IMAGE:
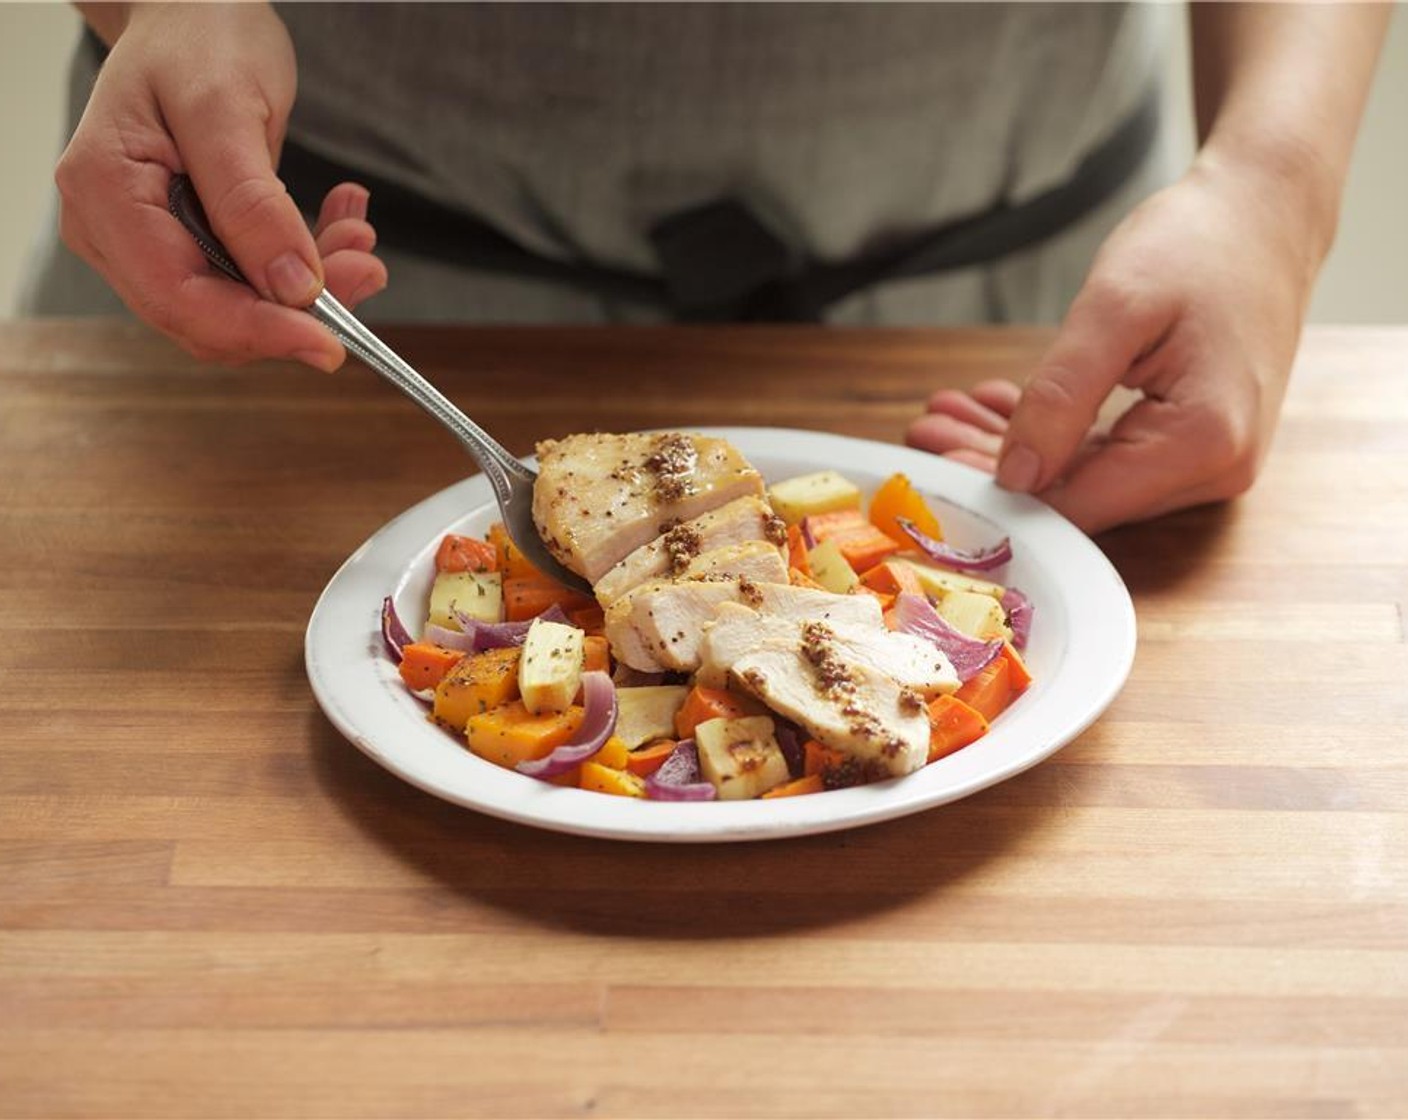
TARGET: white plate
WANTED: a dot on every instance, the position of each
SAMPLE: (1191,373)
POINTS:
(1081,649)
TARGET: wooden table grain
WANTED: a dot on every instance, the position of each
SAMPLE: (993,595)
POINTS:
(212,905)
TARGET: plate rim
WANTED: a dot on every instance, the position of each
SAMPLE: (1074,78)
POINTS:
(559,809)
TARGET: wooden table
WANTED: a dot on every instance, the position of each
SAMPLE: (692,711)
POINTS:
(212,905)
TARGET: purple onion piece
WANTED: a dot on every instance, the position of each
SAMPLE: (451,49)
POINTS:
(980,560)
(789,740)
(503,635)
(598,722)
(447,638)
(915,615)
(392,632)
(678,777)
(808,537)
(1019,616)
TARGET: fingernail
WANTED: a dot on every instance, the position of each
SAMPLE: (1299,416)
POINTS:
(292,281)
(369,288)
(1019,469)
(318,359)
(357,208)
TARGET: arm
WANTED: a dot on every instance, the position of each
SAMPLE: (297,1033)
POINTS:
(1196,300)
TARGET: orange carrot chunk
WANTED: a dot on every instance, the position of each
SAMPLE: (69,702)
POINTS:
(424,664)
(465,554)
(797,551)
(893,577)
(811,783)
(990,690)
(712,703)
(864,546)
(528,598)
(952,726)
(1017,669)
(648,759)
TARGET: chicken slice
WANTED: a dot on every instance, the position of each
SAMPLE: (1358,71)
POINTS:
(803,604)
(909,661)
(659,626)
(840,702)
(756,561)
(600,496)
(744,519)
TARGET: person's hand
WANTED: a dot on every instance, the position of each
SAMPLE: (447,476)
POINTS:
(206,89)
(1195,301)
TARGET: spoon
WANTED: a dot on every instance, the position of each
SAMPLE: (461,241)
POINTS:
(511,480)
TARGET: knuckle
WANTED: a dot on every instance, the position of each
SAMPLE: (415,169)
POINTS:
(1049,392)
(248,204)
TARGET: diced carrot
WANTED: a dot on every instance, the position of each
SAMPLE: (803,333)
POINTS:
(602,779)
(424,664)
(797,551)
(894,577)
(989,690)
(798,578)
(817,758)
(712,703)
(510,733)
(648,759)
(596,654)
(465,554)
(823,526)
(509,556)
(898,498)
(1017,668)
(811,783)
(528,598)
(863,546)
(478,683)
(953,725)
(592,619)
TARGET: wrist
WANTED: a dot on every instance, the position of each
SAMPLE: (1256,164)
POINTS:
(1284,178)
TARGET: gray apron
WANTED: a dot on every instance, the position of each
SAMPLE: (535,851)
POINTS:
(573,129)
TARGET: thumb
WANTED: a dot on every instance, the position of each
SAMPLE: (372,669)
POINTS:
(226,151)
(1106,331)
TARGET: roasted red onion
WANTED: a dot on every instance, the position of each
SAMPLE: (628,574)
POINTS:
(678,778)
(980,560)
(448,639)
(789,741)
(915,615)
(1019,616)
(503,635)
(392,632)
(598,722)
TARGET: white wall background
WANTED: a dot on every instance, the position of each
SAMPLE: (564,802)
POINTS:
(1364,281)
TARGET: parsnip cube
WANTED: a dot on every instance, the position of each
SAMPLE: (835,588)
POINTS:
(550,670)
(477,594)
(938,582)
(831,569)
(978,616)
(648,712)
(740,757)
(807,494)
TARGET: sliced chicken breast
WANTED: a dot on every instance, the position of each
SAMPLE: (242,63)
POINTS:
(659,626)
(744,519)
(909,661)
(840,702)
(600,496)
